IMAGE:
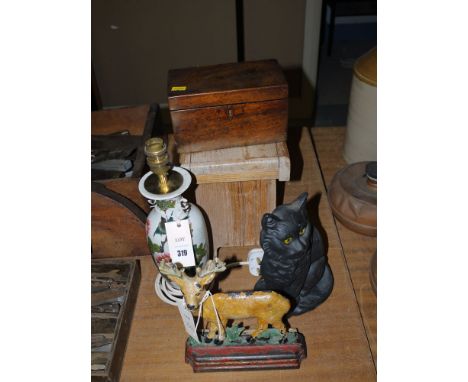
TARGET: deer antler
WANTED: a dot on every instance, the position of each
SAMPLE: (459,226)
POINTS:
(211,266)
(170,269)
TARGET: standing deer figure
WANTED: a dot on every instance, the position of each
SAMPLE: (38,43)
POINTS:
(267,307)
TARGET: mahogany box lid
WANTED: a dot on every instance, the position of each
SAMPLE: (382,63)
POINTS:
(226,84)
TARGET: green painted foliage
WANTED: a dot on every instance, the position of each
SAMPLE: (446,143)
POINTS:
(233,333)
(292,337)
(236,335)
(154,248)
(271,336)
(165,204)
(161,228)
(199,251)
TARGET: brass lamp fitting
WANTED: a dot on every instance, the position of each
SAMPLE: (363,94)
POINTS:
(156,156)
(158,162)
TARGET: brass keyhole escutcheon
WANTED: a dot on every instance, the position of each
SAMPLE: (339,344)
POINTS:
(230,113)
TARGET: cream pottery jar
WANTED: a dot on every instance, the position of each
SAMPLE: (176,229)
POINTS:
(361,132)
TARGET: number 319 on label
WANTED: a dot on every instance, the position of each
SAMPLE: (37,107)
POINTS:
(179,242)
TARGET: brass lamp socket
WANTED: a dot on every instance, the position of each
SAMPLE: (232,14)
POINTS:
(156,156)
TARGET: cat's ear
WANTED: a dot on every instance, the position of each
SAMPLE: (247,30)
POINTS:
(300,202)
(269,221)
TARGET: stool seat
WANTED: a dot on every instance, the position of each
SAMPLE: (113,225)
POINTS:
(267,161)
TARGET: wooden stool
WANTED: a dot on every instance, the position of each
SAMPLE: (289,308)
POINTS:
(235,187)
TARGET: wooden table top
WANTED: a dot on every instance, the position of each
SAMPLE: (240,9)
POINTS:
(358,249)
(337,343)
(111,121)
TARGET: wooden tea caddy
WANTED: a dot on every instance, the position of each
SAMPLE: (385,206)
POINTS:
(228,105)
(230,125)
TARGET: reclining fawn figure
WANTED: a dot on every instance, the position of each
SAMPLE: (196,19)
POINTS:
(267,307)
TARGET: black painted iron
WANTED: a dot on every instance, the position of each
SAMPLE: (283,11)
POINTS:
(294,261)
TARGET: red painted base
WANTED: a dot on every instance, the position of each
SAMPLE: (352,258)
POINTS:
(246,357)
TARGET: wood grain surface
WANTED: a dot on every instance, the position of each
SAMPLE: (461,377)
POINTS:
(358,249)
(217,127)
(111,121)
(338,349)
(128,187)
(228,105)
(226,84)
(235,187)
(117,225)
(257,162)
(234,210)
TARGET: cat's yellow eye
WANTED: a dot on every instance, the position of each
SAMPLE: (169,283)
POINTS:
(302,230)
(287,240)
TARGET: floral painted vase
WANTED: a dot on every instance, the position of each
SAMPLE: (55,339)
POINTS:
(173,207)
